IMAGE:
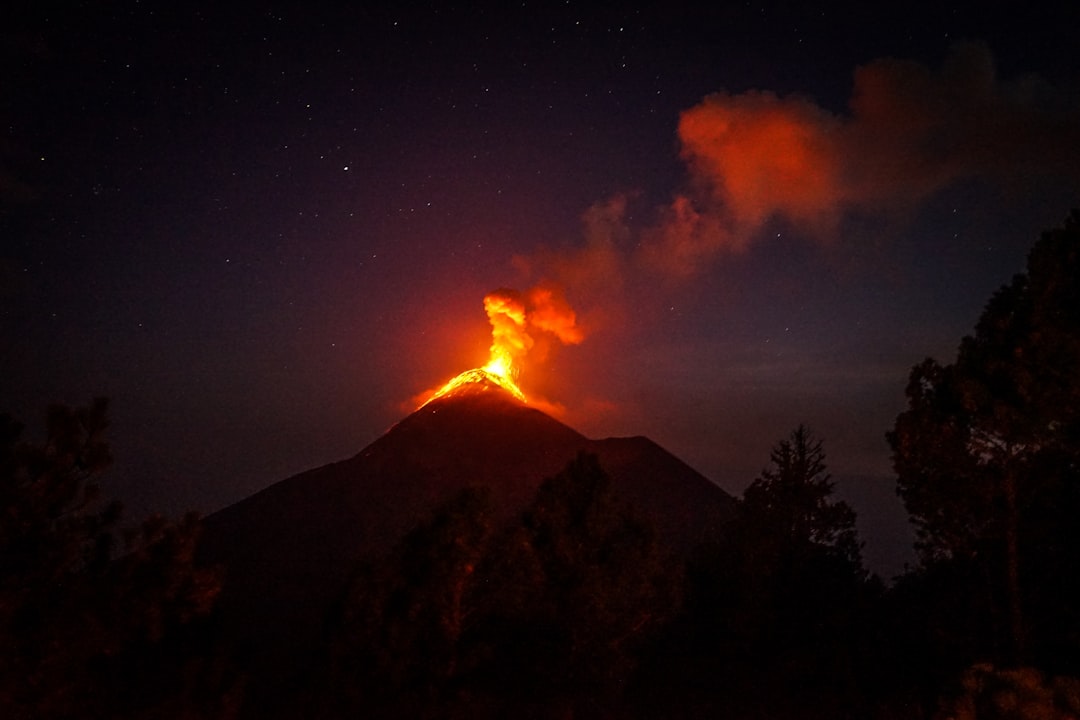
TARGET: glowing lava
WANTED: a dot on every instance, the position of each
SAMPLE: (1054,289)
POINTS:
(511,319)
(474,377)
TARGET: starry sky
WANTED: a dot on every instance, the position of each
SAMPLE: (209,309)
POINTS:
(262,231)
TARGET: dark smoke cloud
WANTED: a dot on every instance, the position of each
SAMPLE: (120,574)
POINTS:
(913,131)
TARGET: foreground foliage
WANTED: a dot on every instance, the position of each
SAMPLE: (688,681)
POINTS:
(90,614)
(1024,693)
(546,613)
(987,457)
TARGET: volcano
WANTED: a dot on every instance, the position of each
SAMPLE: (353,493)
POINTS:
(289,550)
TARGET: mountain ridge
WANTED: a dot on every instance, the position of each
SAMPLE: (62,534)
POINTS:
(290,549)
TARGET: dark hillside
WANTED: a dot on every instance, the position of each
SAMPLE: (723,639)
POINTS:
(290,549)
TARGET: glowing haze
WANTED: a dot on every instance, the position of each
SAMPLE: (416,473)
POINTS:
(514,318)
(910,131)
(757,158)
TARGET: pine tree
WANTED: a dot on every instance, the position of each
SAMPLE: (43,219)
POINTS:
(780,600)
(988,451)
(792,501)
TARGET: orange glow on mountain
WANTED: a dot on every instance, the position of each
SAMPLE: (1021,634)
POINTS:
(476,376)
(512,316)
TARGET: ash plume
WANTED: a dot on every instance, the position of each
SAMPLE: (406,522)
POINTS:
(909,131)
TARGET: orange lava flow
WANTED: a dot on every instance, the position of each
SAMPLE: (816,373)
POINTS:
(474,376)
(510,341)
(512,316)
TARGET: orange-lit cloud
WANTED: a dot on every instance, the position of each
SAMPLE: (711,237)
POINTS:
(687,236)
(909,132)
(549,311)
(757,158)
(594,270)
(518,318)
(760,154)
(522,325)
(914,131)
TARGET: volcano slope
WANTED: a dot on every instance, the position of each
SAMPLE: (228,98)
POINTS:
(289,550)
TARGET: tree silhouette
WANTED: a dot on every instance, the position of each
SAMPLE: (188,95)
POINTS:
(987,452)
(791,502)
(394,641)
(542,616)
(571,594)
(84,619)
(778,604)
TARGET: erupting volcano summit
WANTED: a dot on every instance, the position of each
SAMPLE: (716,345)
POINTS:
(477,380)
(512,316)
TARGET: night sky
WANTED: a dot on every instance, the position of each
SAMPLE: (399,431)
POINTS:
(262,232)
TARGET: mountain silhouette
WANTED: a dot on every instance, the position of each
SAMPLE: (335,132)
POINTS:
(289,550)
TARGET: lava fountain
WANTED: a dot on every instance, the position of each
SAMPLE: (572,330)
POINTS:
(512,317)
